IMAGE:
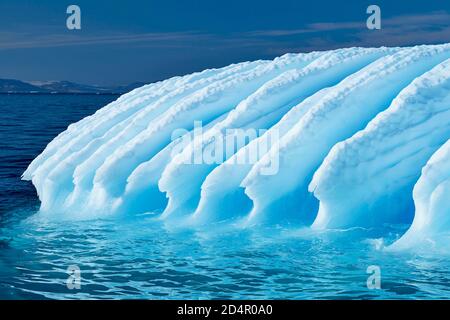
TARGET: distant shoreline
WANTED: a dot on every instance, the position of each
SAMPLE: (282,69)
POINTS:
(13,86)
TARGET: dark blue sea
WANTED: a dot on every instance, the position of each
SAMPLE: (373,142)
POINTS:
(142,259)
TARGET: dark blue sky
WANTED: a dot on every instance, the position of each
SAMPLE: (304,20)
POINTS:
(146,40)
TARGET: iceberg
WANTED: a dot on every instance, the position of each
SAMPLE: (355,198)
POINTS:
(354,137)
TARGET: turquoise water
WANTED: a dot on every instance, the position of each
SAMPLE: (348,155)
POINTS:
(142,258)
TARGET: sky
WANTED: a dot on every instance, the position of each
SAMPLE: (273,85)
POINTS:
(122,42)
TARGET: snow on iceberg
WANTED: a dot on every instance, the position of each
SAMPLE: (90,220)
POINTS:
(259,110)
(108,180)
(363,122)
(344,110)
(367,180)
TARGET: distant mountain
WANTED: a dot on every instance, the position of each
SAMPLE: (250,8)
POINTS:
(17,86)
(10,85)
(69,87)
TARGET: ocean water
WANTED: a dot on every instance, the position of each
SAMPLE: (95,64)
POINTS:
(142,258)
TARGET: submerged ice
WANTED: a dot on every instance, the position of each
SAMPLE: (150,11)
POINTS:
(354,137)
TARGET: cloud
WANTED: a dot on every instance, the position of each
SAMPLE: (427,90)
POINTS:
(13,40)
(439,18)
(402,30)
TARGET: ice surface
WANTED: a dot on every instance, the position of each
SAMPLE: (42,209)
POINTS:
(367,180)
(344,110)
(281,93)
(349,134)
(432,200)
